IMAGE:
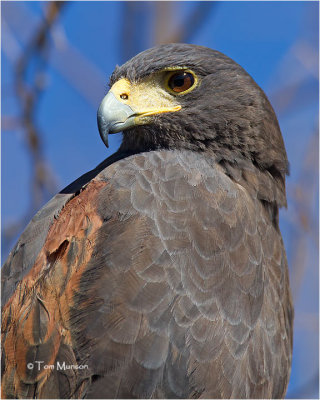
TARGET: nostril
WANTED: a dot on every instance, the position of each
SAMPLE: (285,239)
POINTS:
(124,96)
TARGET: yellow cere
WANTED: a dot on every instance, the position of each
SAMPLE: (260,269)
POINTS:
(147,97)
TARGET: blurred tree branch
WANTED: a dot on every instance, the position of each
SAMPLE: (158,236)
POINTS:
(160,15)
(294,94)
(43,183)
(303,195)
(166,28)
(64,55)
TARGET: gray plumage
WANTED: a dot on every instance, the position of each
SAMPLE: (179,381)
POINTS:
(163,270)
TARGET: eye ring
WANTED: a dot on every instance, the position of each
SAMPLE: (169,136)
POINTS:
(181,82)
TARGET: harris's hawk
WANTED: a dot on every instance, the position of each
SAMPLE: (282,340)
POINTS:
(162,272)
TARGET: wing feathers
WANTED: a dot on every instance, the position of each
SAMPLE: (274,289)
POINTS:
(162,275)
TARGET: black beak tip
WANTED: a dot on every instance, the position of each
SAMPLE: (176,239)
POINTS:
(103,131)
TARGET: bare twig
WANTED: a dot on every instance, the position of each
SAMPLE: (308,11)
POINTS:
(43,182)
(166,30)
(304,195)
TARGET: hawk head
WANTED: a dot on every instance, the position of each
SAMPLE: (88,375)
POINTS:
(182,96)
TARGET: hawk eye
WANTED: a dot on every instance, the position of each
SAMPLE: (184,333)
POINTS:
(181,81)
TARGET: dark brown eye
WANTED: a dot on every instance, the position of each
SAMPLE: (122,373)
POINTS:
(181,81)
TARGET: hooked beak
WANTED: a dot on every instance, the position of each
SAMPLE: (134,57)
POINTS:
(127,105)
(113,116)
